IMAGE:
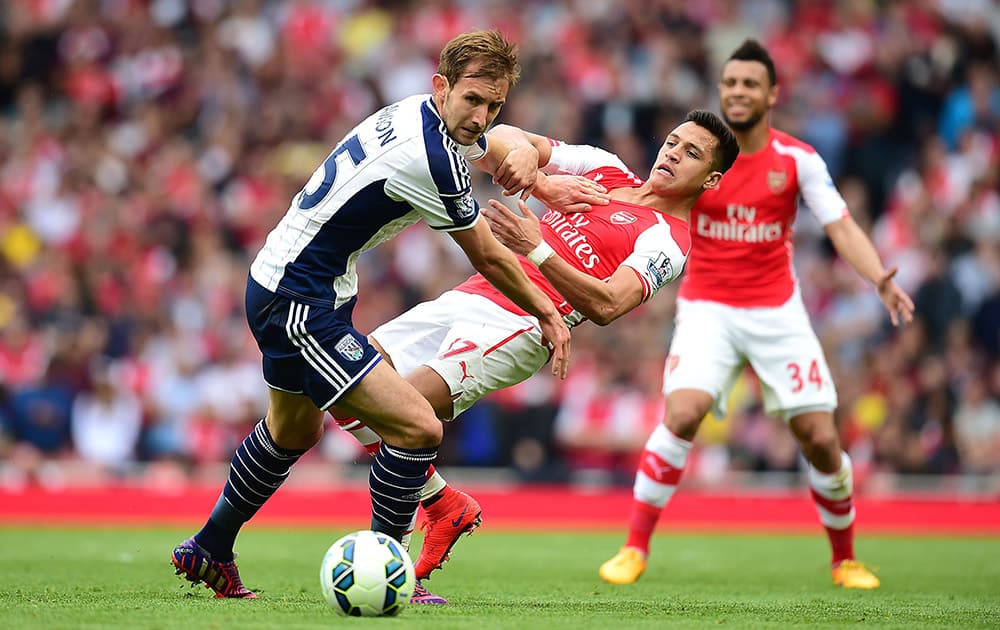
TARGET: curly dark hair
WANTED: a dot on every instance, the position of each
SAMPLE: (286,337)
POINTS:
(752,50)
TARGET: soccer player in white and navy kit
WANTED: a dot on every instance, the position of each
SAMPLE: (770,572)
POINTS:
(596,265)
(739,304)
(405,163)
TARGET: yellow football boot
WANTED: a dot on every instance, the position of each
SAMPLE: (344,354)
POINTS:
(625,568)
(853,574)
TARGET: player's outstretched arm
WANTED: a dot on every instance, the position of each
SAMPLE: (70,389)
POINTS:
(566,193)
(502,269)
(511,136)
(854,246)
(600,302)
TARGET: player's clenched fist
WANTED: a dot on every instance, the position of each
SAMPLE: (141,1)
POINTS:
(518,171)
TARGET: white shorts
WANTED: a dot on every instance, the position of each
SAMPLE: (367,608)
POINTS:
(712,343)
(475,345)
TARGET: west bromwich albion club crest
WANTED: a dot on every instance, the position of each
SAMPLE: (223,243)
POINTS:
(465,206)
(349,348)
(776,181)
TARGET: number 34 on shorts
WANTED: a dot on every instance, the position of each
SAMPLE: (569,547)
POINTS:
(801,376)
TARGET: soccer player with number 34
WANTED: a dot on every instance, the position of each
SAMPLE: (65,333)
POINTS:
(739,303)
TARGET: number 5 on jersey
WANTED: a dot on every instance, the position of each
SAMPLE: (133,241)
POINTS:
(328,172)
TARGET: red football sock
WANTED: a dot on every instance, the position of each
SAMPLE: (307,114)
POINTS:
(642,522)
(832,494)
(841,543)
(841,540)
(368,438)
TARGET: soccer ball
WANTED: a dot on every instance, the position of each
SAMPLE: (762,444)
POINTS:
(367,574)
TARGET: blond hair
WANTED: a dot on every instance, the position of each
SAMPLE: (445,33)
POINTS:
(496,56)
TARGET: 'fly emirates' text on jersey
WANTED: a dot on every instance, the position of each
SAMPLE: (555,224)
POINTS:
(396,167)
(741,250)
(651,244)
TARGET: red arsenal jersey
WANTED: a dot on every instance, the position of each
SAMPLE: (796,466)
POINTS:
(653,245)
(741,249)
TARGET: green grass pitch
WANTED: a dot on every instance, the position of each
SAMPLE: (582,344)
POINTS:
(104,578)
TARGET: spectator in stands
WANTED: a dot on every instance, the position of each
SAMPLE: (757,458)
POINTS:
(143,146)
(106,420)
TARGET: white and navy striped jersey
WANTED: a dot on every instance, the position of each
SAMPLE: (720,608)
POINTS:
(398,166)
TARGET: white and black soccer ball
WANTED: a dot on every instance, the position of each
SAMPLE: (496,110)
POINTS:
(367,574)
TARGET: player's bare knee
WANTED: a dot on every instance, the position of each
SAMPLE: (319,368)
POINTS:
(683,418)
(824,442)
(315,436)
(422,432)
(821,446)
(299,441)
(430,433)
(298,434)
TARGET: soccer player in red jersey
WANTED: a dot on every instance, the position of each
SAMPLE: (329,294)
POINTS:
(739,304)
(596,265)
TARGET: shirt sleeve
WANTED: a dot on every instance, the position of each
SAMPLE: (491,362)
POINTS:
(442,212)
(818,192)
(579,159)
(439,186)
(657,259)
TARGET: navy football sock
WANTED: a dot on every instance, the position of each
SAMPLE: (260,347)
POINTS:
(396,479)
(258,468)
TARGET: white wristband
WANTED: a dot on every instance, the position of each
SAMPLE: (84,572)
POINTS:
(541,253)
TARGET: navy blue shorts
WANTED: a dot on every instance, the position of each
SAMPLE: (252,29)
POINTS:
(308,349)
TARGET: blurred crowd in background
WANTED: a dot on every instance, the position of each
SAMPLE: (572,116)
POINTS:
(148,146)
